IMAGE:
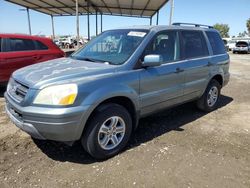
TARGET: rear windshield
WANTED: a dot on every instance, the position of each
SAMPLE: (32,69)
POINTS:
(241,44)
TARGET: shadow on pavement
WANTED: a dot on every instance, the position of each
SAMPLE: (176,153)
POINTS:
(149,128)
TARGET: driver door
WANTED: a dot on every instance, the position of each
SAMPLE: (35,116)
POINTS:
(162,86)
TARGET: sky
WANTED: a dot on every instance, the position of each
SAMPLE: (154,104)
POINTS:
(231,12)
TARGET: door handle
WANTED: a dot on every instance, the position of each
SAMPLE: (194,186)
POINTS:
(36,57)
(178,70)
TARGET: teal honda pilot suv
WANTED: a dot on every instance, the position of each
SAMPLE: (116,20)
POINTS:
(98,94)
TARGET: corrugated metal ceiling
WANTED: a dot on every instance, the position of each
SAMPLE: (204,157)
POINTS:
(137,8)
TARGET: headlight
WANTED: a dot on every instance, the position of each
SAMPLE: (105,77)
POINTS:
(57,95)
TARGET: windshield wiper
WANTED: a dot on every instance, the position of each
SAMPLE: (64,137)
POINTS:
(86,59)
(92,60)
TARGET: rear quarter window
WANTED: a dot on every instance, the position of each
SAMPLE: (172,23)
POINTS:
(216,42)
(40,45)
(194,44)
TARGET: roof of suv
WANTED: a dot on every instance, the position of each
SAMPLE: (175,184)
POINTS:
(165,27)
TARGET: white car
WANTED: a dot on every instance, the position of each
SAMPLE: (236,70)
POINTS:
(241,47)
(231,44)
(57,42)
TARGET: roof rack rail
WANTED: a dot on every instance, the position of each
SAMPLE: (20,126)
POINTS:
(192,24)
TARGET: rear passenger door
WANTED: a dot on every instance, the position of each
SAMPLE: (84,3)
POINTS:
(196,54)
(162,86)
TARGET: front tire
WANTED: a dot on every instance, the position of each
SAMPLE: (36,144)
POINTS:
(209,100)
(108,131)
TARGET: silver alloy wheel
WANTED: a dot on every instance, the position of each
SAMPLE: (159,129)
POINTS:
(212,96)
(111,132)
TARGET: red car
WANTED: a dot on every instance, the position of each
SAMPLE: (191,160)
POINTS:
(17,51)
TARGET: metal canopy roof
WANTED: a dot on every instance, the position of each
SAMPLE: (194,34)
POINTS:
(135,8)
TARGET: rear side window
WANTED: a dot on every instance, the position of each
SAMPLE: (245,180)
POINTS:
(194,44)
(21,45)
(41,46)
(216,42)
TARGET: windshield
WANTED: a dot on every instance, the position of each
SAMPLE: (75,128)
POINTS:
(113,47)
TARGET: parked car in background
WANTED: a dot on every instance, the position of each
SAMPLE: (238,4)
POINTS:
(17,51)
(231,44)
(241,47)
(99,93)
(57,42)
(226,45)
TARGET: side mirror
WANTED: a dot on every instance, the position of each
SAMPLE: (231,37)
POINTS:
(152,61)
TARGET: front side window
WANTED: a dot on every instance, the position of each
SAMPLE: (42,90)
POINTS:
(21,45)
(216,42)
(165,44)
(194,44)
(114,47)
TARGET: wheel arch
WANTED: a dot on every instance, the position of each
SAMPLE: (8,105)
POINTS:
(218,78)
(124,96)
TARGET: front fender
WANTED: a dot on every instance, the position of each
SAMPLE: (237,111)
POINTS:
(115,90)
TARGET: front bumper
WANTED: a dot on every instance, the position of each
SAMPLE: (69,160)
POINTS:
(59,124)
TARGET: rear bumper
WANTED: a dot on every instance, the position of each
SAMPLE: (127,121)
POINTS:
(226,79)
(240,50)
(59,124)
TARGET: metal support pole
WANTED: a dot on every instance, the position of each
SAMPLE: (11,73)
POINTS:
(157,19)
(77,24)
(52,24)
(171,12)
(88,21)
(28,14)
(150,20)
(101,22)
(96,23)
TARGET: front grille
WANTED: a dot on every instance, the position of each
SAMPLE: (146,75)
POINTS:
(16,90)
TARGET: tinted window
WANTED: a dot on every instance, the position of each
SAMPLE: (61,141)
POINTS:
(0,44)
(194,44)
(241,44)
(21,44)
(40,46)
(216,42)
(165,44)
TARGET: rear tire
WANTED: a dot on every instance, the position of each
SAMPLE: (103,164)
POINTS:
(209,100)
(108,131)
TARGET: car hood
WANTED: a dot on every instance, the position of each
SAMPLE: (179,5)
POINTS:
(59,70)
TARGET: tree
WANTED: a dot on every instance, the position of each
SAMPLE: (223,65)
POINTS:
(223,29)
(243,34)
(248,26)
